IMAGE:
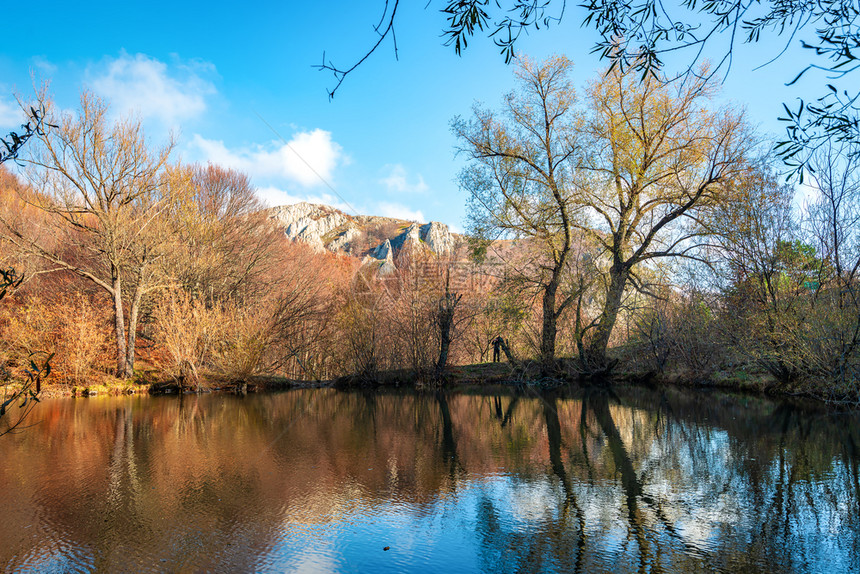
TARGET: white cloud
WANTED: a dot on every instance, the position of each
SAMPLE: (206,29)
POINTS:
(400,212)
(11,115)
(44,65)
(274,196)
(397,180)
(147,86)
(456,228)
(306,158)
(806,194)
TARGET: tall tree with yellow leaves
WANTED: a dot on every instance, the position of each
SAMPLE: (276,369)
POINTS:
(656,159)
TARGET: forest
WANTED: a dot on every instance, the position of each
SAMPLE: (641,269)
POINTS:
(628,229)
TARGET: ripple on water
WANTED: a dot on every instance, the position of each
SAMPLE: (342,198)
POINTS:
(305,482)
(55,554)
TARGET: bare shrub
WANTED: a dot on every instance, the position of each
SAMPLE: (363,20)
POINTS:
(74,328)
(694,334)
(361,345)
(26,329)
(186,331)
(652,337)
(246,334)
(83,345)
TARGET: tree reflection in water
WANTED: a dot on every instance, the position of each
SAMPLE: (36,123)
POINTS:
(577,481)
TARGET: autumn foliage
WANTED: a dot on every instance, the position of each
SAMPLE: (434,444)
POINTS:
(639,232)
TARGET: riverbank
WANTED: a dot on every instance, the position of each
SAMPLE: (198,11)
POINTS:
(738,379)
(148,383)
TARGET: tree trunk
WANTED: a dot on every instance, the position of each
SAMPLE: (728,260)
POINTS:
(447,308)
(132,329)
(445,344)
(595,359)
(119,328)
(507,351)
(548,331)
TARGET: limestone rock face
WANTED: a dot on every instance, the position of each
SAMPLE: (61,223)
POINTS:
(308,222)
(437,237)
(383,250)
(385,253)
(413,233)
(344,239)
(411,237)
(380,238)
(434,236)
(388,266)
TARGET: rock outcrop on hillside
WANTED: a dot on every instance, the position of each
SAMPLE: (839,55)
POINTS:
(383,250)
(344,239)
(438,237)
(387,257)
(301,220)
(308,222)
(375,238)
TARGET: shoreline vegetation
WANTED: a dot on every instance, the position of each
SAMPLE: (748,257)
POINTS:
(478,375)
(628,230)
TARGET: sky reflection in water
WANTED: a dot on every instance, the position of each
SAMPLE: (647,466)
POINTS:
(322,481)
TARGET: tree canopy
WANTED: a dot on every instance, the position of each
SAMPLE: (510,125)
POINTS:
(634,172)
(520,178)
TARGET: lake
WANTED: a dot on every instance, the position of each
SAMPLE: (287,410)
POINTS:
(319,480)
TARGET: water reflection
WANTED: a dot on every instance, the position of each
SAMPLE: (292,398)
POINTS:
(321,481)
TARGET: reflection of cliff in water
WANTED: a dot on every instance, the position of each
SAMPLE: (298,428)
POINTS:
(584,481)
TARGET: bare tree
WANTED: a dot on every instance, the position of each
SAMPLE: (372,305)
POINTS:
(520,177)
(754,235)
(101,189)
(221,241)
(835,223)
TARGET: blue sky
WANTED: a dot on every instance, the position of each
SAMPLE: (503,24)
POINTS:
(217,73)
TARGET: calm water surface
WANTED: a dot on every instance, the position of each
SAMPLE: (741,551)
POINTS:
(322,481)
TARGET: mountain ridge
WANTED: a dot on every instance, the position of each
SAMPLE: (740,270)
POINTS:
(369,237)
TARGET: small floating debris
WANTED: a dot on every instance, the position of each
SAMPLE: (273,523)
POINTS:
(386,548)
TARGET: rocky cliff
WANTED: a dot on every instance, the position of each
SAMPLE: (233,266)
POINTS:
(376,239)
